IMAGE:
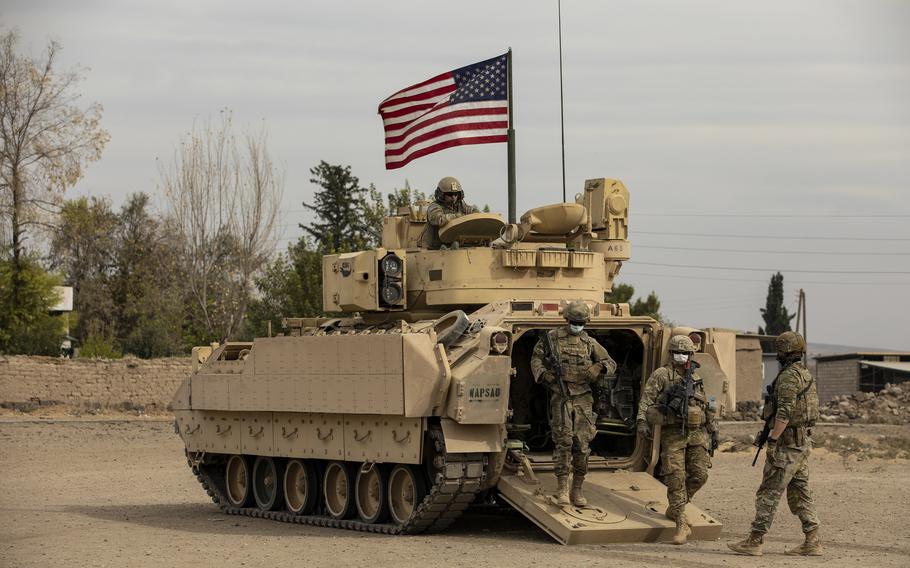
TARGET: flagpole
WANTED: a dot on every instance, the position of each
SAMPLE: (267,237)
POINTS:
(511,141)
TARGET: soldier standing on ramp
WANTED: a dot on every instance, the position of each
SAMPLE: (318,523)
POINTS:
(568,360)
(674,397)
(791,409)
(448,204)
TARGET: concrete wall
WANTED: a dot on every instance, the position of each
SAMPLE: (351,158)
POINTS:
(126,383)
(748,369)
(837,377)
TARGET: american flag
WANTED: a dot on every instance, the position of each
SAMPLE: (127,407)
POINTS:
(466,106)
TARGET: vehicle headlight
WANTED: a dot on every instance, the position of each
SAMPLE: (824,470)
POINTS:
(391,292)
(499,342)
(392,266)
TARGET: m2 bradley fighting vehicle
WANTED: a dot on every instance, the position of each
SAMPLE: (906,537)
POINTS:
(419,401)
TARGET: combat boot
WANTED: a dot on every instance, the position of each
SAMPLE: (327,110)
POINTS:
(682,529)
(811,547)
(577,498)
(751,545)
(562,490)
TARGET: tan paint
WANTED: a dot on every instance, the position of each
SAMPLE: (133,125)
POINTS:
(623,506)
(367,387)
(471,438)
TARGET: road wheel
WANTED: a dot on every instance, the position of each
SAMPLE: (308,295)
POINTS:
(300,487)
(407,490)
(370,493)
(267,486)
(338,490)
(237,481)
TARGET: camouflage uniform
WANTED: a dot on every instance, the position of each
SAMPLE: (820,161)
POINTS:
(573,425)
(787,460)
(438,214)
(790,412)
(684,458)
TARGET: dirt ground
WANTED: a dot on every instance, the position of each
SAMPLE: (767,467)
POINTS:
(117,492)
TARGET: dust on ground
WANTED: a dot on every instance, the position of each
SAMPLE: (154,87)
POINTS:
(117,492)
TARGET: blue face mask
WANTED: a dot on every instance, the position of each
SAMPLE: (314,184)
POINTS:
(575,329)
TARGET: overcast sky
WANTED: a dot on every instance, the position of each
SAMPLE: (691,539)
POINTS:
(712,112)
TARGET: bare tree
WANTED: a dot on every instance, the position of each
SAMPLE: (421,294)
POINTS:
(47,139)
(224,195)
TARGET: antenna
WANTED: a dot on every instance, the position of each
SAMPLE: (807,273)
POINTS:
(562,125)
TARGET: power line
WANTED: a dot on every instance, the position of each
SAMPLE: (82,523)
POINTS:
(775,269)
(797,237)
(715,278)
(781,215)
(777,251)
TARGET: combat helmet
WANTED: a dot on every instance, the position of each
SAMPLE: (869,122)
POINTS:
(681,344)
(446,185)
(790,342)
(577,311)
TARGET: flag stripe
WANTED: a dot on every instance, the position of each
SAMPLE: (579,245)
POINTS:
(391,165)
(474,133)
(410,110)
(466,106)
(435,91)
(416,88)
(439,116)
(450,127)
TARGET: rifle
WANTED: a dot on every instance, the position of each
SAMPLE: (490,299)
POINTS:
(770,400)
(553,362)
(762,437)
(677,398)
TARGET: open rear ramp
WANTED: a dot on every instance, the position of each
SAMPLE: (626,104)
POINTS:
(623,506)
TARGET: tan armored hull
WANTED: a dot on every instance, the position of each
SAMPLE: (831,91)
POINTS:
(420,401)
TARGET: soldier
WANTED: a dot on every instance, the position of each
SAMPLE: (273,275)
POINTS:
(448,203)
(577,360)
(793,406)
(684,457)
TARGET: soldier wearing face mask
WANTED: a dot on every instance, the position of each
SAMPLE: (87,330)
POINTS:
(684,452)
(577,361)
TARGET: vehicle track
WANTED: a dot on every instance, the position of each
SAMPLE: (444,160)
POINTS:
(456,482)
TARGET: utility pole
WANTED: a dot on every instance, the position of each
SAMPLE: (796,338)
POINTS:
(801,319)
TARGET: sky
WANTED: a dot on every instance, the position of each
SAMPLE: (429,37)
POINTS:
(777,130)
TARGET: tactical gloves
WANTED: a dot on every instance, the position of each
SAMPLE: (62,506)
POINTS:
(643,429)
(656,414)
(593,371)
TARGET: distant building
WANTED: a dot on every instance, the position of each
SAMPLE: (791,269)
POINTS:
(847,373)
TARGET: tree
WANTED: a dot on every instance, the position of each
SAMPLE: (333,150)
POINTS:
(145,281)
(291,286)
(378,206)
(83,249)
(777,320)
(26,325)
(47,139)
(344,219)
(224,194)
(650,306)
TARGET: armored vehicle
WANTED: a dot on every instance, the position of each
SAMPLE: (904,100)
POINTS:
(416,400)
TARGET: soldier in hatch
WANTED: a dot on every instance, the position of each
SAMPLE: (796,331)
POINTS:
(793,406)
(448,203)
(685,448)
(575,362)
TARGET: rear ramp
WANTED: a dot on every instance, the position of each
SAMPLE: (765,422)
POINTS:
(623,506)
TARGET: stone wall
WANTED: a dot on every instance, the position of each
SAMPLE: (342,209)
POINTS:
(129,383)
(836,378)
